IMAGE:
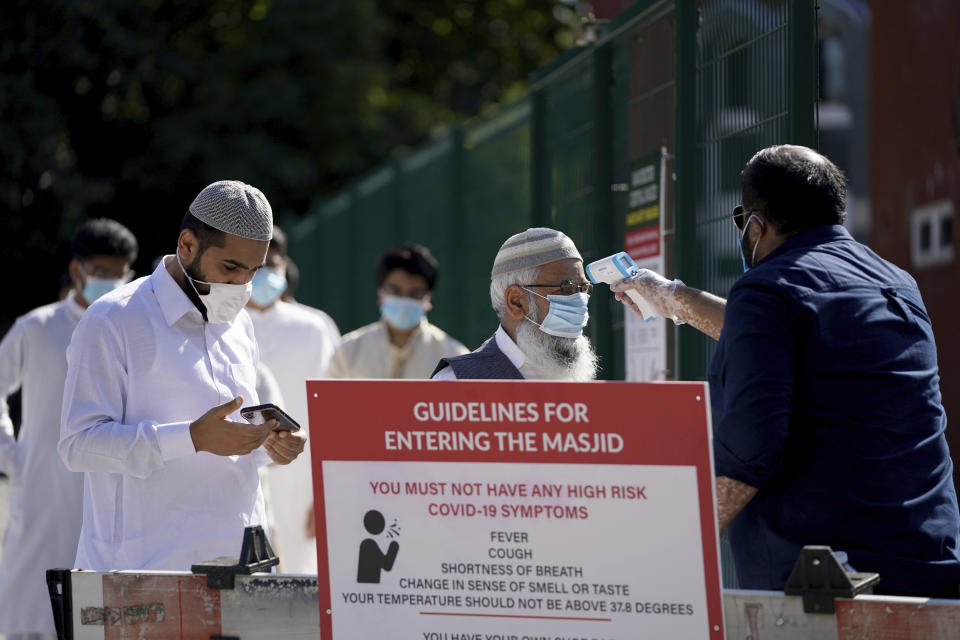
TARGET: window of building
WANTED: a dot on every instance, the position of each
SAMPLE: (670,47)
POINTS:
(931,234)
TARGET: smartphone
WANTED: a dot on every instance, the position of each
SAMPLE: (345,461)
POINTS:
(263,412)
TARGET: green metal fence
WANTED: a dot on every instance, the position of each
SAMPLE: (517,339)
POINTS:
(496,201)
(711,82)
(750,81)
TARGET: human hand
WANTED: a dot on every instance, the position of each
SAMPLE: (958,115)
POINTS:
(283,447)
(659,292)
(311,524)
(212,431)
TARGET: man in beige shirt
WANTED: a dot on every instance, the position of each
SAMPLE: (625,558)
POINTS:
(402,344)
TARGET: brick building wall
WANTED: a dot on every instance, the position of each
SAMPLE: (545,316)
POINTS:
(915,165)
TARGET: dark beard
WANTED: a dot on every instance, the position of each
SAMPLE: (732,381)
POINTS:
(564,352)
(193,270)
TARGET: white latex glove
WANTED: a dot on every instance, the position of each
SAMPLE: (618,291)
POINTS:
(659,292)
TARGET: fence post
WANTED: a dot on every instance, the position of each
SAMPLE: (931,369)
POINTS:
(400,229)
(685,164)
(603,202)
(460,272)
(802,65)
(539,169)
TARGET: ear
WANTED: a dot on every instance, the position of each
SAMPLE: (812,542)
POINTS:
(428,301)
(762,220)
(188,245)
(516,299)
(76,273)
(756,225)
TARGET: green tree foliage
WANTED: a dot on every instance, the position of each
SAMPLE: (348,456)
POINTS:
(128,108)
(469,55)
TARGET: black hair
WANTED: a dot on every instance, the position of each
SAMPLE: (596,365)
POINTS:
(207,236)
(796,188)
(279,241)
(415,259)
(103,237)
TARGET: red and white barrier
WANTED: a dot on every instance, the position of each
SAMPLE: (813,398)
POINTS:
(162,605)
(179,606)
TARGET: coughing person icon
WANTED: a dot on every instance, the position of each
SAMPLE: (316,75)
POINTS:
(372,560)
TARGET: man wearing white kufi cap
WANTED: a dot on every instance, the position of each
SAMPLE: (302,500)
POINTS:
(157,372)
(540,294)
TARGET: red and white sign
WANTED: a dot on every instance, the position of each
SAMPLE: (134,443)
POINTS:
(510,510)
(643,243)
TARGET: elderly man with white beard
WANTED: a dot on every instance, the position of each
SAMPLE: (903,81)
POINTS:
(540,294)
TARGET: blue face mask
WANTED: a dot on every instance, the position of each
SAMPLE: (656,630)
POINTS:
(95,287)
(567,316)
(402,313)
(268,284)
(753,254)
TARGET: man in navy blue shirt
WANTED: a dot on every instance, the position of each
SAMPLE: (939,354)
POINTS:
(826,398)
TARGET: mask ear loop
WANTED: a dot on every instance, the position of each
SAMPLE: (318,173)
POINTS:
(197,300)
(526,317)
(753,254)
(185,274)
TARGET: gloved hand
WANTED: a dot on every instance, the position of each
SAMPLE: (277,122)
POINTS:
(655,289)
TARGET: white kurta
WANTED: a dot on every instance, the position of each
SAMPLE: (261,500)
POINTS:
(327,320)
(45,498)
(268,389)
(142,365)
(368,353)
(297,344)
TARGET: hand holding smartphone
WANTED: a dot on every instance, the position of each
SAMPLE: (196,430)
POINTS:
(263,412)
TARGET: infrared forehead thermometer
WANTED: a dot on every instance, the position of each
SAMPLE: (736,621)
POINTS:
(615,268)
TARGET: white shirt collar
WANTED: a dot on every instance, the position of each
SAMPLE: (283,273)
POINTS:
(509,348)
(73,307)
(173,301)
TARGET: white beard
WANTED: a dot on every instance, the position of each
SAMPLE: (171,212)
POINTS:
(554,358)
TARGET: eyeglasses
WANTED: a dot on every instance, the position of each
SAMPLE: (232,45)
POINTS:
(740,215)
(393,290)
(99,272)
(567,287)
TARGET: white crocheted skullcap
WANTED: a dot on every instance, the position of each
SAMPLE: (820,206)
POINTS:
(235,208)
(533,248)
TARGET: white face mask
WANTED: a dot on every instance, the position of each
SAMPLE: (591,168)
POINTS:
(224,301)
